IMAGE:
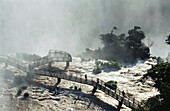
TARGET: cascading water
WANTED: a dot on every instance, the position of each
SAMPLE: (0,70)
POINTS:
(38,26)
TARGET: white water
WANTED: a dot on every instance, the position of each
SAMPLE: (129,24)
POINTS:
(125,77)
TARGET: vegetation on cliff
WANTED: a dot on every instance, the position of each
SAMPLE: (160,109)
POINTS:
(109,65)
(121,48)
(160,74)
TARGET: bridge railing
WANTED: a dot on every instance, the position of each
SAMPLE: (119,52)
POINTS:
(117,94)
(14,62)
(59,56)
(46,60)
(39,62)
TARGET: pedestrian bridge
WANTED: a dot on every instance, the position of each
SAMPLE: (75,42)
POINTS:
(61,56)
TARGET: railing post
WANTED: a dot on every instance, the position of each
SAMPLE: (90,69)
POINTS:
(86,78)
(70,76)
(128,100)
(133,101)
(49,65)
(109,92)
(67,64)
(139,105)
(58,81)
(104,88)
(94,90)
(97,82)
(121,102)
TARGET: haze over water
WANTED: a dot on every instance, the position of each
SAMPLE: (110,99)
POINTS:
(36,26)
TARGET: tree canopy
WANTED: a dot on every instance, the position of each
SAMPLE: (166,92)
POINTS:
(160,74)
(127,49)
(121,48)
(168,39)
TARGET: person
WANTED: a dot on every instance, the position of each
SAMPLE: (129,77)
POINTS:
(97,80)
(86,77)
(123,93)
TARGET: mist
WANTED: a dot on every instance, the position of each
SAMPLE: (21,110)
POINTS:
(36,26)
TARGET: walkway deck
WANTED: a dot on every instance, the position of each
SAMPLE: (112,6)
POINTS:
(57,56)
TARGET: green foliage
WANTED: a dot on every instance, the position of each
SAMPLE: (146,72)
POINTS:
(125,49)
(109,65)
(98,63)
(134,44)
(111,84)
(168,39)
(160,73)
(97,70)
(152,104)
(120,47)
(112,64)
(114,28)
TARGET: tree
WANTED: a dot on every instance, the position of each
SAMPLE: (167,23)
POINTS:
(136,34)
(168,39)
(160,73)
(115,28)
(121,48)
(134,44)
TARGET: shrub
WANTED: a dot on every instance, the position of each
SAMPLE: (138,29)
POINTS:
(112,64)
(98,63)
(160,74)
(97,70)
(111,84)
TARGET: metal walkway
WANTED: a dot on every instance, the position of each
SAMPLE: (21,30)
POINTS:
(60,56)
